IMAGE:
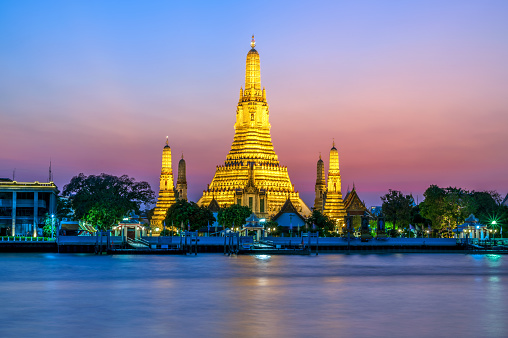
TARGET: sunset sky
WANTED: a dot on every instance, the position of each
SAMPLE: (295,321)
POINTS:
(413,92)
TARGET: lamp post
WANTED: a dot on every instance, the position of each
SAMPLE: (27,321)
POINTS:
(52,225)
(493,224)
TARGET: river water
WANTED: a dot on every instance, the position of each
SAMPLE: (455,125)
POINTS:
(211,295)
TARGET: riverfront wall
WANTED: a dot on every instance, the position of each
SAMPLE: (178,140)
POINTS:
(180,245)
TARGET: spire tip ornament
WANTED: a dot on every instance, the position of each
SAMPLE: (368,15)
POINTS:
(253,42)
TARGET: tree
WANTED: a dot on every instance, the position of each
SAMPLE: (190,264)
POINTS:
(397,208)
(179,214)
(234,215)
(103,200)
(50,225)
(322,222)
(149,214)
(63,208)
(418,220)
(483,205)
(434,206)
(183,212)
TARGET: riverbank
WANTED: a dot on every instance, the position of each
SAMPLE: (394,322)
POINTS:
(116,245)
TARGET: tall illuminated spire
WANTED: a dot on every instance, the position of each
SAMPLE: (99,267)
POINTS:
(252,155)
(166,187)
(334,204)
(252,138)
(253,70)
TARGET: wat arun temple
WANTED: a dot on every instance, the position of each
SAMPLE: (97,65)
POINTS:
(251,174)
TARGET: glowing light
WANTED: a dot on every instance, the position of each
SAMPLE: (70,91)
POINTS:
(252,164)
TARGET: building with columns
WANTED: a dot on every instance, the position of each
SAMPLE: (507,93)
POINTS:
(251,175)
(25,205)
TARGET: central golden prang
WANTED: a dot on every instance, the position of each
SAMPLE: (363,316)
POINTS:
(251,175)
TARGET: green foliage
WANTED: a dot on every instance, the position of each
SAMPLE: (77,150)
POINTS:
(104,200)
(149,214)
(434,205)
(184,213)
(104,216)
(50,223)
(274,225)
(397,208)
(322,223)
(233,215)
(448,207)
(483,205)
(63,208)
(271,224)
(168,232)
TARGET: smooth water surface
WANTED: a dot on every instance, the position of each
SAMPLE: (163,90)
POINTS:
(333,295)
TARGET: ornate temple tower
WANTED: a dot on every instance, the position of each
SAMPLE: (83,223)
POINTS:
(251,174)
(320,185)
(334,205)
(181,182)
(166,190)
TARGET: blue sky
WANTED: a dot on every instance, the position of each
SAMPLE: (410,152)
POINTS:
(413,92)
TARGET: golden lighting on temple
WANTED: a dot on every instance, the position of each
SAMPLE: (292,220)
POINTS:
(251,175)
(166,189)
(334,204)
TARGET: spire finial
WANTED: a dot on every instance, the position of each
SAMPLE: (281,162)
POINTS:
(319,155)
(253,42)
(182,155)
(167,140)
(333,142)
